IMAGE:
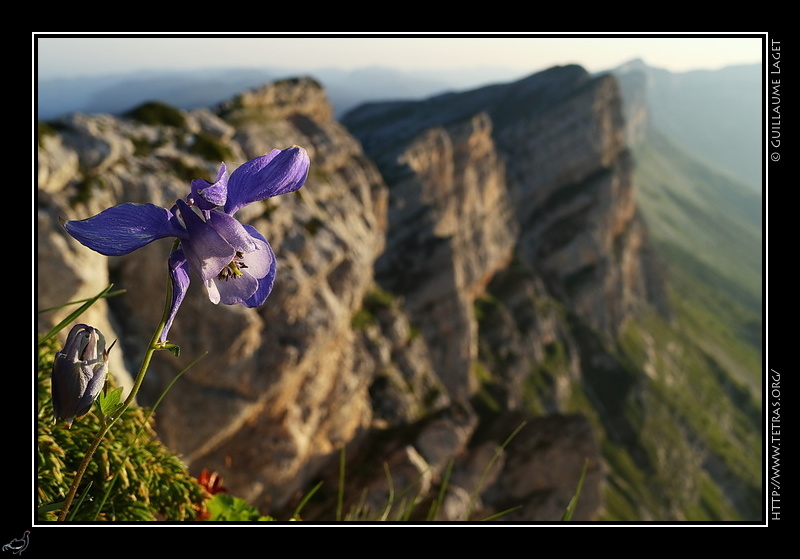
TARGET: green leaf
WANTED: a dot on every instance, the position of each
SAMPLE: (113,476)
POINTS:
(226,507)
(111,402)
(172,348)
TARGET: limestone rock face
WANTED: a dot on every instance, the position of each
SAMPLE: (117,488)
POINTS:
(451,229)
(549,229)
(570,176)
(560,135)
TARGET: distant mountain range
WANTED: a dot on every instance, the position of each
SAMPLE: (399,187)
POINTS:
(188,89)
(695,138)
(715,114)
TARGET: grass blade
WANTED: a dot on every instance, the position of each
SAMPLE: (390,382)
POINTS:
(486,470)
(574,501)
(75,314)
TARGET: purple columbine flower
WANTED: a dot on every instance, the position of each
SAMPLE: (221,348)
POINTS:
(79,372)
(234,262)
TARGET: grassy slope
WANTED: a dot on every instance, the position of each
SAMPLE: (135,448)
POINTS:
(708,229)
(703,212)
(699,418)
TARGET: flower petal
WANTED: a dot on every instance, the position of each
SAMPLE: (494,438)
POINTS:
(277,173)
(233,291)
(213,292)
(179,275)
(95,377)
(123,229)
(266,282)
(206,195)
(258,261)
(208,253)
(229,228)
(254,284)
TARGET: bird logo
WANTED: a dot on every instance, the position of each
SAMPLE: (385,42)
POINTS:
(18,545)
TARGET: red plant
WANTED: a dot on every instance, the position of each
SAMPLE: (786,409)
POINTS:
(212,483)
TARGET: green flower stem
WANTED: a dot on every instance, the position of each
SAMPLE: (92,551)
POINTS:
(141,428)
(154,346)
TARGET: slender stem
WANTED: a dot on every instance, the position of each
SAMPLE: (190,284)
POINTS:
(151,349)
(139,432)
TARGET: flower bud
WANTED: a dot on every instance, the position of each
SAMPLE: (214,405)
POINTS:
(79,372)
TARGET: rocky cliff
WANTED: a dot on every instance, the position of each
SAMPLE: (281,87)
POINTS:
(560,136)
(554,192)
(454,269)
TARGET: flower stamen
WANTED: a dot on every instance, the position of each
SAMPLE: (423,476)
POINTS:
(234,269)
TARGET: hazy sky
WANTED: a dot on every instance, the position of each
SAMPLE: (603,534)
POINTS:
(72,56)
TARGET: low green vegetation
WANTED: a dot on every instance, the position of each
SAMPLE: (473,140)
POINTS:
(133,476)
(85,189)
(43,130)
(696,425)
(157,113)
(210,148)
(376,299)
